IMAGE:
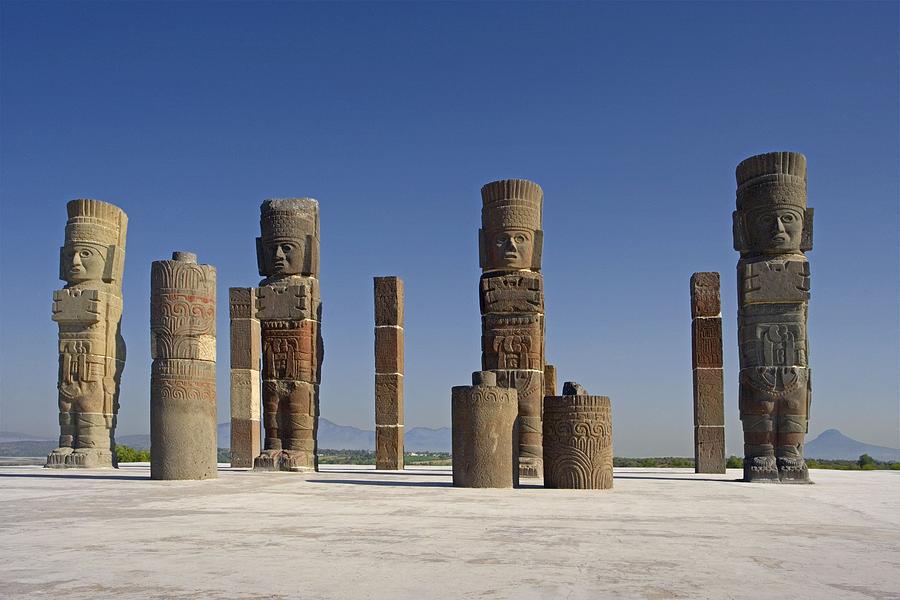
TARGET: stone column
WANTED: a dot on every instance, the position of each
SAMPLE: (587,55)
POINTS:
(290,311)
(577,440)
(388,373)
(183,374)
(549,380)
(512,303)
(484,446)
(772,230)
(91,349)
(245,380)
(706,357)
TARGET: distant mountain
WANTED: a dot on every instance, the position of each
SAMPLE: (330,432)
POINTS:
(425,439)
(834,445)
(12,436)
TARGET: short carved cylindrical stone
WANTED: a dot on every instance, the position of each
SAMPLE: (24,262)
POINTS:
(772,231)
(706,359)
(183,375)
(483,437)
(88,311)
(388,373)
(511,295)
(578,442)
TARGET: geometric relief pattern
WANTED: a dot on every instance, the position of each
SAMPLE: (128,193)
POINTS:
(578,442)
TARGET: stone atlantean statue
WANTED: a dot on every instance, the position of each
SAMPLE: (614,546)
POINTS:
(772,229)
(88,311)
(512,303)
(578,450)
(289,311)
(183,375)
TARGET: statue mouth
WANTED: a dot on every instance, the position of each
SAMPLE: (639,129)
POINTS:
(512,255)
(780,238)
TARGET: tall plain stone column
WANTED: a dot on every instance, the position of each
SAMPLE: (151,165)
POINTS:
(577,440)
(289,310)
(706,359)
(484,440)
(772,231)
(183,374)
(388,373)
(88,311)
(246,342)
(512,303)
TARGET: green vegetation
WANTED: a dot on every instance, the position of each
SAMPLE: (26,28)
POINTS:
(667,462)
(367,457)
(863,463)
(734,462)
(124,454)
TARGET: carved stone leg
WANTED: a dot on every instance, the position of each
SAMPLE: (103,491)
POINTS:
(789,451)
(269,458)
(93,444)
(299,421)
(759,448)
(57,458)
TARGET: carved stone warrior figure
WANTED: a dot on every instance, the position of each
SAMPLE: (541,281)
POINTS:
(512,303)
(88,311)
(289,311)
(183,375)
(772,230)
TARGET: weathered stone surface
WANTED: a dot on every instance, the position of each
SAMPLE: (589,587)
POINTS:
(289,309)
(389,301)
(389,447)
(183,375)
(709,393)
(388,350)
(484,443)
(245,394)
(578,442)
(518,292)
(770,281)
(242,303)
(291,350)
(512,342)
(289,244)
(388,399)
(709,443)
(549,380)
(245,344)
(292,299)
(511,297)
(572,388)
(706,342)
(510,237)
(245,442)
(88,311)
(529,386)
(772,229)
(705,297)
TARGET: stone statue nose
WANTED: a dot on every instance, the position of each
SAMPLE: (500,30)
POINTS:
(279,253)
(780,224)
(76,259)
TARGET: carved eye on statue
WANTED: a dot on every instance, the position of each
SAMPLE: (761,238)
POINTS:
(83,263)
(520,238)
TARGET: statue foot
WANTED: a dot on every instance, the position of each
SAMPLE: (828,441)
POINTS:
(297,461)
(793,470)
(531,468)
(267,461)
(57,458)
(90,458)
(761,469)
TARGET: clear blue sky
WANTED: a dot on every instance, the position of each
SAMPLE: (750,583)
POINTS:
(631,116)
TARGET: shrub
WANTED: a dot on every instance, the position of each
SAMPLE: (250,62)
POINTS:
(124,454)
(865,460)
(734,462)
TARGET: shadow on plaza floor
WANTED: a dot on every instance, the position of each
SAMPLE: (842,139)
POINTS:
(67,475)
(383,483)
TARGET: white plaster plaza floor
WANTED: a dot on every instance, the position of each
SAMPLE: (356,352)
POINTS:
(352,532)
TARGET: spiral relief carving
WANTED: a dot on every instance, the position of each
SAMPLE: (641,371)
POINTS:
(578,442)
(183,374)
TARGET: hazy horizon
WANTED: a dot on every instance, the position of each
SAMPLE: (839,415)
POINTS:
(631,116)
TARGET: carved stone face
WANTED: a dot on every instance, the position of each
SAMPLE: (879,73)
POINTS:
(776,229)
(511,248)
(284,257)
(83,262)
